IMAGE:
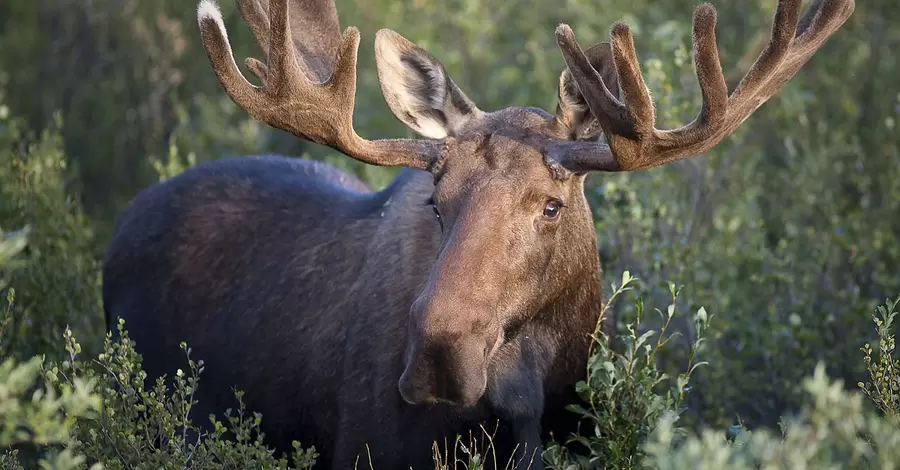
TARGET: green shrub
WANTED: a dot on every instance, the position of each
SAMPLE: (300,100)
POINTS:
(631,420)
(146,426)
(11,244)
(625,394)
(66,413)
(101,412)
(884,373)
(35,409)
(57,274)
(835,431)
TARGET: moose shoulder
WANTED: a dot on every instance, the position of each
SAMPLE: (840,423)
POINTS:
(460,296)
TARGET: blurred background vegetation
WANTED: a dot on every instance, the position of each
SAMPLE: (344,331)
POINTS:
(787,232)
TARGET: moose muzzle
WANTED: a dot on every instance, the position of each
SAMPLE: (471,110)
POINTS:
(448,365)
(446,371)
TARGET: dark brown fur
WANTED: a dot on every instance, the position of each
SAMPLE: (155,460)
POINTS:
(463,295)
(297,289)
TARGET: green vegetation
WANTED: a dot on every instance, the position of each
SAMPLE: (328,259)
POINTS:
(786,233)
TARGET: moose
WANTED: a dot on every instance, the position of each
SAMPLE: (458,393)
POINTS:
(373,324)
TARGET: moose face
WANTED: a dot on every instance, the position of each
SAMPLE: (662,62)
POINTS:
(511,227)
(510,234)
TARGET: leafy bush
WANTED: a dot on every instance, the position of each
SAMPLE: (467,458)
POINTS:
(835,431)
(11,244)
(33,411)
(625,394)
(150,427)
(101,412)
(144,428)
(772,238)
(633,419)
(42,412)
(57,275)
(884,372)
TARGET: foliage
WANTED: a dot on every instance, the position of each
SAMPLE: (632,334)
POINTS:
(42,412)
(787,227)
(33,408)
(835,431)
(57,273)
(11,244)
(46,417)
(150,426)
(145,427)
(63,414)
(101,412)
(625,394)
(884,372)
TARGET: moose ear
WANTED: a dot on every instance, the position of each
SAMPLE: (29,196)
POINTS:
(417,88)
(573,111)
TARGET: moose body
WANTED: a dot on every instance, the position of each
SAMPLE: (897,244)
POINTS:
(462,297)
(302,280)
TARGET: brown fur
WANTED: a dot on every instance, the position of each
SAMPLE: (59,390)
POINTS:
(463,295)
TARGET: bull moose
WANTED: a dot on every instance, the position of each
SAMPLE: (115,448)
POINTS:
(378,322)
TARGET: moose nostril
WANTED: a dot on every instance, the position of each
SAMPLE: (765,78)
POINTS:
(410,393)
(406,393)
(417,384)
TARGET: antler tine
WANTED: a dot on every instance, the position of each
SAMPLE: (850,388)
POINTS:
(218,49)
(634,90)
(708,68)
(284,69)
(634,142)
(612,115)
(309,78)
(256,15)
(821,19)
(787,14)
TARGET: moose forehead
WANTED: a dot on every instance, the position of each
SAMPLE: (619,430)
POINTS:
(508,141)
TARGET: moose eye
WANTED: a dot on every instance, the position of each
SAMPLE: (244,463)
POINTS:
(434,208)
(551,209)
(437,213)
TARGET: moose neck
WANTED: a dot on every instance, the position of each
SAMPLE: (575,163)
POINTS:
(573,316)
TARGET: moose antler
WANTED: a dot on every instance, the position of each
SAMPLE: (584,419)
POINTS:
(308,80)
(634,143)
